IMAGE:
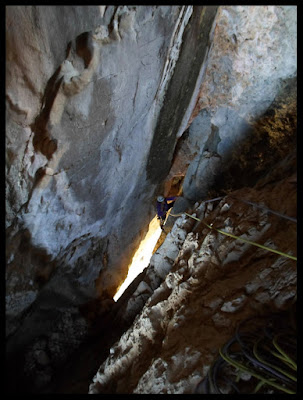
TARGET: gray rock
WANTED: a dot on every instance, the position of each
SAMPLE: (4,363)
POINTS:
(41,357)
(234,305)
(220,321)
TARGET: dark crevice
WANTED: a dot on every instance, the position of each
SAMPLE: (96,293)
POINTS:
(42,140)
(194,46)
(84,47)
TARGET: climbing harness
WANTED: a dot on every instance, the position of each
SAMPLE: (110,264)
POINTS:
(239,238)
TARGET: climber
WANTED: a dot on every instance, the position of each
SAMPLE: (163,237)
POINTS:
(163,206)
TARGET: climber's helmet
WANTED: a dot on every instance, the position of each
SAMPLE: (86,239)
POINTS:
(160,199)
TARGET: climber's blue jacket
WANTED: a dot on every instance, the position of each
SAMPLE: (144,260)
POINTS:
(163,207)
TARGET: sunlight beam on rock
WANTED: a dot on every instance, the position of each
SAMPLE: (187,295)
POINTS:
(142,256)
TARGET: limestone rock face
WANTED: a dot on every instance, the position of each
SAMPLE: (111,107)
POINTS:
(103,103)
(86,89)
(160,265)
(254,50)
(78,140)
(214,283)
(80,115)
(250,65)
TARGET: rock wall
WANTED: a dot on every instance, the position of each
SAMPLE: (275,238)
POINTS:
(214,283)
(250,71)
(220,154)
(86,89)
(104,103)
(93,116)
(243,133)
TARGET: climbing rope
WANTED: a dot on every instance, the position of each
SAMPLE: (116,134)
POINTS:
(255,205)
(210,201)
(244,240)
(264,208)
(237,237)
(253,350)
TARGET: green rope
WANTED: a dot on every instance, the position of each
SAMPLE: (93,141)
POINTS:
(243,240)
(253,373)
(259,358)
(258,386)
(284,354)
